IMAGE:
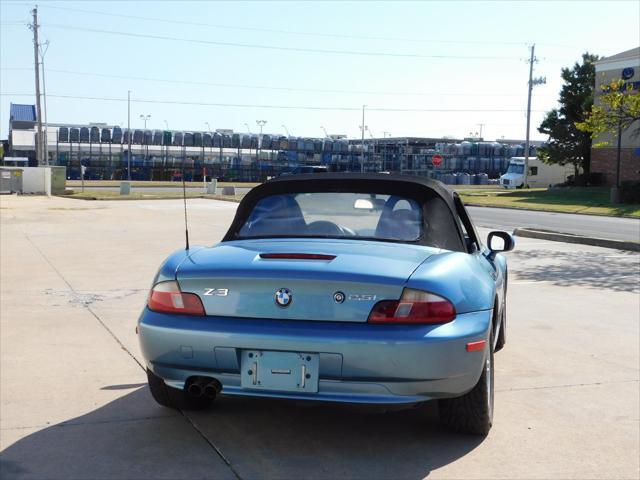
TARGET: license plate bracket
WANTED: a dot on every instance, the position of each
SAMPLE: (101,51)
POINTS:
(279,371)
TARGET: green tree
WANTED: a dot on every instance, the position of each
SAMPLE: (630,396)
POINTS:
(617,110)
(567,144)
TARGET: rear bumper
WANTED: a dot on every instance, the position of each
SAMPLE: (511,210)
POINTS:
(359,362)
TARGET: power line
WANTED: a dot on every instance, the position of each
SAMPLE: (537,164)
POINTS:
(280,107)
(295,32)
(279,48)
(267,87)
(302,33)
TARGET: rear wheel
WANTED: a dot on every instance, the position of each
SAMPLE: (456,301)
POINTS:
(472,412)
(172,397)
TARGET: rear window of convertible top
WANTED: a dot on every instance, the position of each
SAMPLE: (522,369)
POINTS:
(352,215)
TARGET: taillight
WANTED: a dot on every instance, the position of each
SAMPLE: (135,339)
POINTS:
(414,307)
(166,297)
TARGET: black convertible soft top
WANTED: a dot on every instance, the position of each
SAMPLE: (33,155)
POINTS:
(420,189)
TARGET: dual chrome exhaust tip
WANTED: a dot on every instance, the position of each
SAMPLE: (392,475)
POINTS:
(203,387)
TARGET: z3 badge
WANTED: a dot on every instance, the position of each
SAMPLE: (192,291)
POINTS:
(218,292)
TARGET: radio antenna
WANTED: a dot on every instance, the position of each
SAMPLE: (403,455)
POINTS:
(184,199)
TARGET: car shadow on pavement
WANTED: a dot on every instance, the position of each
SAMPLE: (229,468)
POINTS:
(285,439)
(618,271)
(132,437)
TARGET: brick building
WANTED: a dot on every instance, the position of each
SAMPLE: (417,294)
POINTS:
(626,66)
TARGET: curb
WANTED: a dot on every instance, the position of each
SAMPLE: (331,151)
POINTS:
(131,199)
(569,238)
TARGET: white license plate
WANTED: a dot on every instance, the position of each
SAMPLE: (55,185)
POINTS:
(279,371)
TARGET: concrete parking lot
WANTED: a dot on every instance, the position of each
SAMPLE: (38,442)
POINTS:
(74,401)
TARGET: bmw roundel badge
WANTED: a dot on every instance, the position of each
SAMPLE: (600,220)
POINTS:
(283,297)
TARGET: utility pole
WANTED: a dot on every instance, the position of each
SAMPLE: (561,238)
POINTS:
(481,125)
(36,47)
(44,94)
(129,133)
(362,127)
(532,82)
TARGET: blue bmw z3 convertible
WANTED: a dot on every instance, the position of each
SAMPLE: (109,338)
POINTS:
(358,288)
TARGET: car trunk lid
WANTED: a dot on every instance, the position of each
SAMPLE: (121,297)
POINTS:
(325,280)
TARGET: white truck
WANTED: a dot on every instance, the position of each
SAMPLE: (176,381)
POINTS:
(540,174)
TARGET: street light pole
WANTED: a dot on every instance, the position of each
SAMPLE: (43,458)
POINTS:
(145,118)
(384,155)
(144,136)
(362,127)
(325,131)
(372,157)
(166,147)
(211,135)
(615,192)
(248,130)
(286,130)
(261,123)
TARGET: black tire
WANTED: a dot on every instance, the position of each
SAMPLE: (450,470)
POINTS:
(502,333)
(472,412)
(172,397)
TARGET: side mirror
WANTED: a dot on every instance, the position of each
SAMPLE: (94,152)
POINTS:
(500,242)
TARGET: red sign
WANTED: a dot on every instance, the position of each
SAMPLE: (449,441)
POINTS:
(436,160)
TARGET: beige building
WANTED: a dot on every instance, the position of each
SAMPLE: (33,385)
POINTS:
(625,66)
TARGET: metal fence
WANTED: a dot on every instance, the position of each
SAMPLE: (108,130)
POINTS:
(110,161)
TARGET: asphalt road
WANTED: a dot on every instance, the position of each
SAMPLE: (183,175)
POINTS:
(588,225)
(74,276)
(508,219)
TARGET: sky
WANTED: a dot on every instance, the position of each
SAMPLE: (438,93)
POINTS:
(421,68)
